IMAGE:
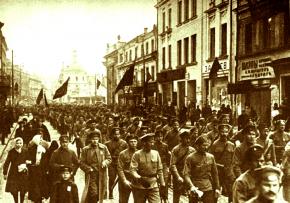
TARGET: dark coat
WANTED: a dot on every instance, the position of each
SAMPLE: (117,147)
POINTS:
(16,181)
(65,192)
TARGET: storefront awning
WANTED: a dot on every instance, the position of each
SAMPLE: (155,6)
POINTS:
(241,87)
(171,75)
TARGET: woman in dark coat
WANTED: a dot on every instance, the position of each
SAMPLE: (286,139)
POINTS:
(38,186)
(17,177)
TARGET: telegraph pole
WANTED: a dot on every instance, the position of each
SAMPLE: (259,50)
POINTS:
(12,75)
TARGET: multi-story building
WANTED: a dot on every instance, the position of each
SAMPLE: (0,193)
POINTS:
(140,52)
(4,79)
(263,54)
(179,51)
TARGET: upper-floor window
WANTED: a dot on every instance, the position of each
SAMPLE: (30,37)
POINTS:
(193,8)
(248,38)
(179,12)
(142,49)
(193,48)
(186,10)
(224,40)
(130,55)
(185,44)
(163,57)
(147,48)
(152,45)
(120,58)
(169,18)
(153,73)
(136,52)
(179,48)
(169,56)
(126,56)
(212,43)
(163,21)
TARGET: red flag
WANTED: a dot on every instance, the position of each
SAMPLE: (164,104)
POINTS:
(45,100)
(62,90)
(98,84)
(216,66)
(39,97)
(148,76)
(127,79)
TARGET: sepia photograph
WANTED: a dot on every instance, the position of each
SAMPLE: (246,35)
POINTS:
(149,101)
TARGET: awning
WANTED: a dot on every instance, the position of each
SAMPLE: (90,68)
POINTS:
(240,87)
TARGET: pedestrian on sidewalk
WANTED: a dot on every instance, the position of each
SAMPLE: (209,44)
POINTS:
(16,176)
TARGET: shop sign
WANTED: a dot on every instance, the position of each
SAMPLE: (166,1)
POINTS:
(171,75)
(207,67)
(256,69)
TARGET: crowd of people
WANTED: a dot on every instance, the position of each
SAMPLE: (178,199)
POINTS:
(146,151)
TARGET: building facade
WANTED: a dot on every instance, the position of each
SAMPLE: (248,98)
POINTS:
(4,78)
(263,54)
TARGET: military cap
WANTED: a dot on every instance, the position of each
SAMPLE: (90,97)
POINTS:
(65,169)
(254,152)
(200,140)
(184,134)
(94,134)
(263,173)
(147,136)
(131,137)
(221,126)
(63,138)
(280,122)
(91,121)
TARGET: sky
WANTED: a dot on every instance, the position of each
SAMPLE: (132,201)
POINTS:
(43,33)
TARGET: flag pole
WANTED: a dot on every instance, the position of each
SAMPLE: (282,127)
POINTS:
(12,76)
(95,87)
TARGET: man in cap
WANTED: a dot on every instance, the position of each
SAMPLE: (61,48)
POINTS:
(91,128)
(213,134)
(250,135)
(280,139)
(179,154)
(244,185)
(164,153)
(146,170)
(223,151)
(172,138)
(63,156)
(115,145)
(125,178)
(95,158)
(135,126)
(268,184)
(201,175)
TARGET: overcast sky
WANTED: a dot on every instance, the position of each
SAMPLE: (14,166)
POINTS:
(43,33)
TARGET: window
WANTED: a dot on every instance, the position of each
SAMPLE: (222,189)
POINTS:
(212,43)
(169,17)
(142,50)
(126,56)
(193,48)
(193,8)
(169,56)
(163,58)
(248,38)
(152,45)
(136,52)
(224,39)
(185,44)
(121,58)
(186,9)
(163,22)
(130,55)
(153,73)
(179,44)
(179,12)
(147,47)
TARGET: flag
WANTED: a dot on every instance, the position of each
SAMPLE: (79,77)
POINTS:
(127,79)
(98,84)
(39,97)
(62,90)
(216,66)
(45,100)
(148,76)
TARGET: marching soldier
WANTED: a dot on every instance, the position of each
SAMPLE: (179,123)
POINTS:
(268,184)
(125,178)
(244,185)
(146,169)
(179,154)
(250,135)
(95,158)
(201,175)
(164,153)
(223,151)
(280,139)
(172,138)
(91,129)
(115,146)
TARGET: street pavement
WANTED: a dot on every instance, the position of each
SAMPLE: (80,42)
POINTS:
(79,178)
